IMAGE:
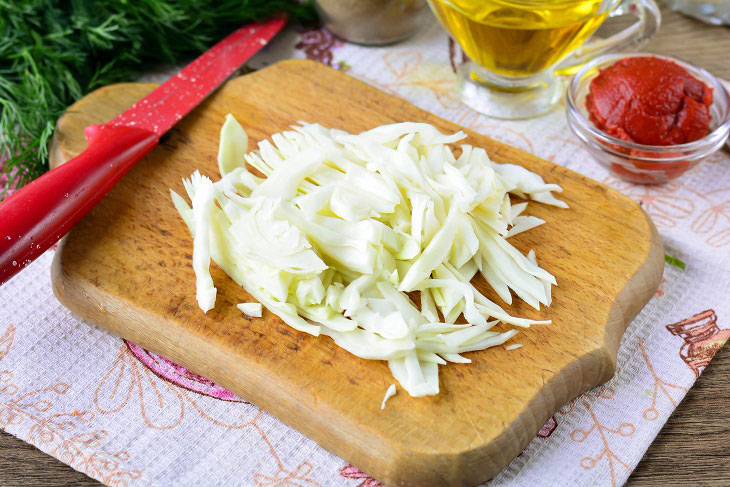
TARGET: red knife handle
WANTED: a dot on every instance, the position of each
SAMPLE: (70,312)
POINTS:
(38,215)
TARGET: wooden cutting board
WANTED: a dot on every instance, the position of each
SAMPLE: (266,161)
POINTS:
(127,268)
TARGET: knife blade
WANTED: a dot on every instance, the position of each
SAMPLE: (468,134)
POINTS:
(39,214)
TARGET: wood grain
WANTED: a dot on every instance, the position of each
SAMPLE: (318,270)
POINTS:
(693,447)
(23,465)
(114,263)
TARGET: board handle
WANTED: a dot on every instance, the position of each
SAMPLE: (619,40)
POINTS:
(38,215)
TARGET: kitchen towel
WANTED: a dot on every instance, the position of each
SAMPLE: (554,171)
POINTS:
(126,416)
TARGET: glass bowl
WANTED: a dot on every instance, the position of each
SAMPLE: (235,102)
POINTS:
(639,163)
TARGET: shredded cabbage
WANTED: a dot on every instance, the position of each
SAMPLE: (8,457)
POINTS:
(388,394)
(253,310)
(343,226)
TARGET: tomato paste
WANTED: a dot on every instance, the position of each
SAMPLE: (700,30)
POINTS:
(648,100)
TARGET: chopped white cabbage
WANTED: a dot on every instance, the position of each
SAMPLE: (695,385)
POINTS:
(254,310)
(345,225)
(233,146)
(202,208)
(388,394)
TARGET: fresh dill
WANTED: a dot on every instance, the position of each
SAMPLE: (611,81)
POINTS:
(53,52)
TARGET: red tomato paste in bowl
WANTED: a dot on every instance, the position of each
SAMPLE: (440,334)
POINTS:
(648,118)
(650,101)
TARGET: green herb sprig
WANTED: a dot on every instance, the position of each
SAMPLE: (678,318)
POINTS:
(52,52)
(674,261)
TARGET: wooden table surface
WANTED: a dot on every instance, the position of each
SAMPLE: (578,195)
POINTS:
(694,446)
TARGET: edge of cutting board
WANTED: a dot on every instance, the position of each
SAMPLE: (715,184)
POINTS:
(391,464)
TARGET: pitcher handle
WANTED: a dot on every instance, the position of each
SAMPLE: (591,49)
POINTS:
(629,39)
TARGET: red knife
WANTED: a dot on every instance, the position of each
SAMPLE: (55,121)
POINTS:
(38,215)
